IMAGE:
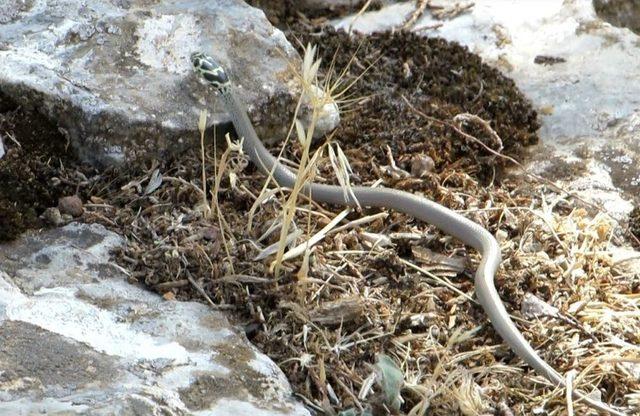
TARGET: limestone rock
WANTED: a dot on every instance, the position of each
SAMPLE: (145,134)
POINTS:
(76,338)
(116,75)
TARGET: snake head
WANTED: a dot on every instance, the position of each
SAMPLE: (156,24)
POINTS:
(211,71)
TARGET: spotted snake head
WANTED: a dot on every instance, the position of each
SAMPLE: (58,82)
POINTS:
(213,73)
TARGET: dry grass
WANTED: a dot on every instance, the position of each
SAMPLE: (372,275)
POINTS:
(571,249)
(317,98)
(369,319)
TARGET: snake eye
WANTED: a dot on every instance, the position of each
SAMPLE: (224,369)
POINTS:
(196,58)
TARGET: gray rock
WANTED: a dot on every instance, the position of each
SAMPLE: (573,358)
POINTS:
(533,307)
(76,338)
(116,75)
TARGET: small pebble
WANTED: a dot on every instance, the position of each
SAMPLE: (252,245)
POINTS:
(71,205)
(210,233)
(502,236)
(421,165)
(52,216)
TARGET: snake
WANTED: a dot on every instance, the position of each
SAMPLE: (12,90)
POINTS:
(448,221)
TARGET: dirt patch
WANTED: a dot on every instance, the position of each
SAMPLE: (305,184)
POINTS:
(620,161)
(393,74)
(205,391)
(246,384)
(286,13)
(39,168)
(634,221)
(562,170)
(620,13)
(52,362)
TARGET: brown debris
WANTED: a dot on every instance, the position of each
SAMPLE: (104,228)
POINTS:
(548,60)
(38,168)
(445,80)
(285,13)
(71,205)
(439,11)
(337,312)
(421,165)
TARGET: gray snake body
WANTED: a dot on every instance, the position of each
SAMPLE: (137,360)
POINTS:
(446,220)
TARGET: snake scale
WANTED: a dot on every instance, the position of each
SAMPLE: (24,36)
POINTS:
(445,219)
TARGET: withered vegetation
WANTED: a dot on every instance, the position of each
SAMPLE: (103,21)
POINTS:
(380,284)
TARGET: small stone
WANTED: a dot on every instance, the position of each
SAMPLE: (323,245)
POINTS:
(421,320)
(502,236)
(71,205)
(534,307)
(52,216)
(324,119)
(421,165)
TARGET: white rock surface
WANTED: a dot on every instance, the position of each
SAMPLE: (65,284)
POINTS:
(116,76)
(76,338)
(589,105)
